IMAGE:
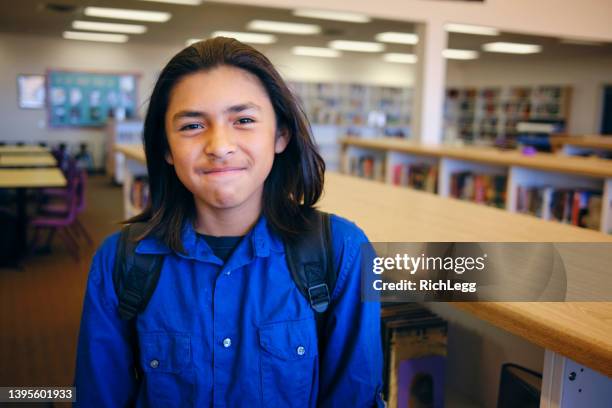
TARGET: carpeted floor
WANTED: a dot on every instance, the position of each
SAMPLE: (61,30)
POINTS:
(40,304)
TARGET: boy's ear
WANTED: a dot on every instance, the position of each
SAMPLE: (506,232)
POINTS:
(282,140)
(169,159)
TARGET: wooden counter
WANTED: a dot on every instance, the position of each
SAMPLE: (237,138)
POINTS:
(134,152)
(581,331)
(588,141)
(591,167)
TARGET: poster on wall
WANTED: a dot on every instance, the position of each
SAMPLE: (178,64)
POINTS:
(88,99)
(31,91)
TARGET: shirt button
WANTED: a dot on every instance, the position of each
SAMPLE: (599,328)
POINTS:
(301,350)
(228,272)
(227,342)
(154,363)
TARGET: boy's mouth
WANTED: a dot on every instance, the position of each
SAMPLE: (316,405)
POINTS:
(220,170)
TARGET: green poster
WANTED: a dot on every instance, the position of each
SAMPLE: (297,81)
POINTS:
(83,99)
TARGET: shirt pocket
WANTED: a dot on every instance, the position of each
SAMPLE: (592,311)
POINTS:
(169,377)
(289,363)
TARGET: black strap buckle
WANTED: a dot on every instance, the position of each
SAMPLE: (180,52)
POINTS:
(319,297)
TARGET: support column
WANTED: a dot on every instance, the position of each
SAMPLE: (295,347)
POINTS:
(430,82)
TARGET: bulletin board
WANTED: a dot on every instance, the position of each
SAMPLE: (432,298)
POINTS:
(88,99)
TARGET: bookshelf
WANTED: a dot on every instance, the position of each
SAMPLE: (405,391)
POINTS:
(489,115)
(483,335)
(497,177)
(135,184)
(125,132)
(338,109)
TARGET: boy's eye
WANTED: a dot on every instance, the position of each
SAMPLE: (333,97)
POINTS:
(191,126)
(244,121)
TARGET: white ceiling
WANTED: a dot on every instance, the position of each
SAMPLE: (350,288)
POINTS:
(32,17)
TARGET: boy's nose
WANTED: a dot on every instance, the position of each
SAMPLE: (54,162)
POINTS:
(220,142)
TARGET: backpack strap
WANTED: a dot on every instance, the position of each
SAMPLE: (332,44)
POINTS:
(135,276)
(310,261)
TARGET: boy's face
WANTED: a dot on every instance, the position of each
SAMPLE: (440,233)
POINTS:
(221,129)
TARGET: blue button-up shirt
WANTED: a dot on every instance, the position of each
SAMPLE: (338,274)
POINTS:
(231,335)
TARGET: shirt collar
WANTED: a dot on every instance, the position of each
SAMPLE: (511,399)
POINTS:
(261,239)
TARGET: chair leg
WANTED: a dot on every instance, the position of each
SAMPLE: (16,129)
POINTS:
(80,226)
(50,238)
(32,246)
(73,246)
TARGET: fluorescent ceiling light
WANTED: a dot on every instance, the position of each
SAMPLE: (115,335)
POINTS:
(125,14)
(360,46)
(332,15)
(397,38)
(512,48)
(251,38)
(182,2)
(315,52)
(101,37)
(283,27)
(470,29)
(109,27)
(400,58)
(460,54)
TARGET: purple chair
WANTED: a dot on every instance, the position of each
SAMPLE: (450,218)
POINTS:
(62,208)
(61,223)
(69,169)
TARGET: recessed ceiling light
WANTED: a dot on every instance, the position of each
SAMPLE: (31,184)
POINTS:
(315,52)
(182,2)
(251,38)
(332,15)
(101,37)
(512,48)
(400,58)
(109,27)
(470,29)
(125,14)
(283,27)
(397,38)
(460,54)
(360,46)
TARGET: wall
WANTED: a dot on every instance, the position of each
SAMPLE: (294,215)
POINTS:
(29,54)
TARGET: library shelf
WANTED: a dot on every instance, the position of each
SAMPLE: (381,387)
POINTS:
(578,177)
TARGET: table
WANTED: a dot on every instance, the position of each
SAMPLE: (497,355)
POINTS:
(23,149)
(21,180)
(27,160)
(573,333)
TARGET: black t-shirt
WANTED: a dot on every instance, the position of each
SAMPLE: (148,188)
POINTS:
(222,247)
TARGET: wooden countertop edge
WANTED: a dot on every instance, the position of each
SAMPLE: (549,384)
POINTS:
(576,164)
(134,152)
(592,354)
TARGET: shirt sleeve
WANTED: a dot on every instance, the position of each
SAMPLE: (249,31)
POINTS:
(351,358)
(104,375)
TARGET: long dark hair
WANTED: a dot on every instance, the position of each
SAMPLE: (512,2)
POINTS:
(295,182)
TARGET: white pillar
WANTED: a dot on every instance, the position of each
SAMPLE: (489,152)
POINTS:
(429,83)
